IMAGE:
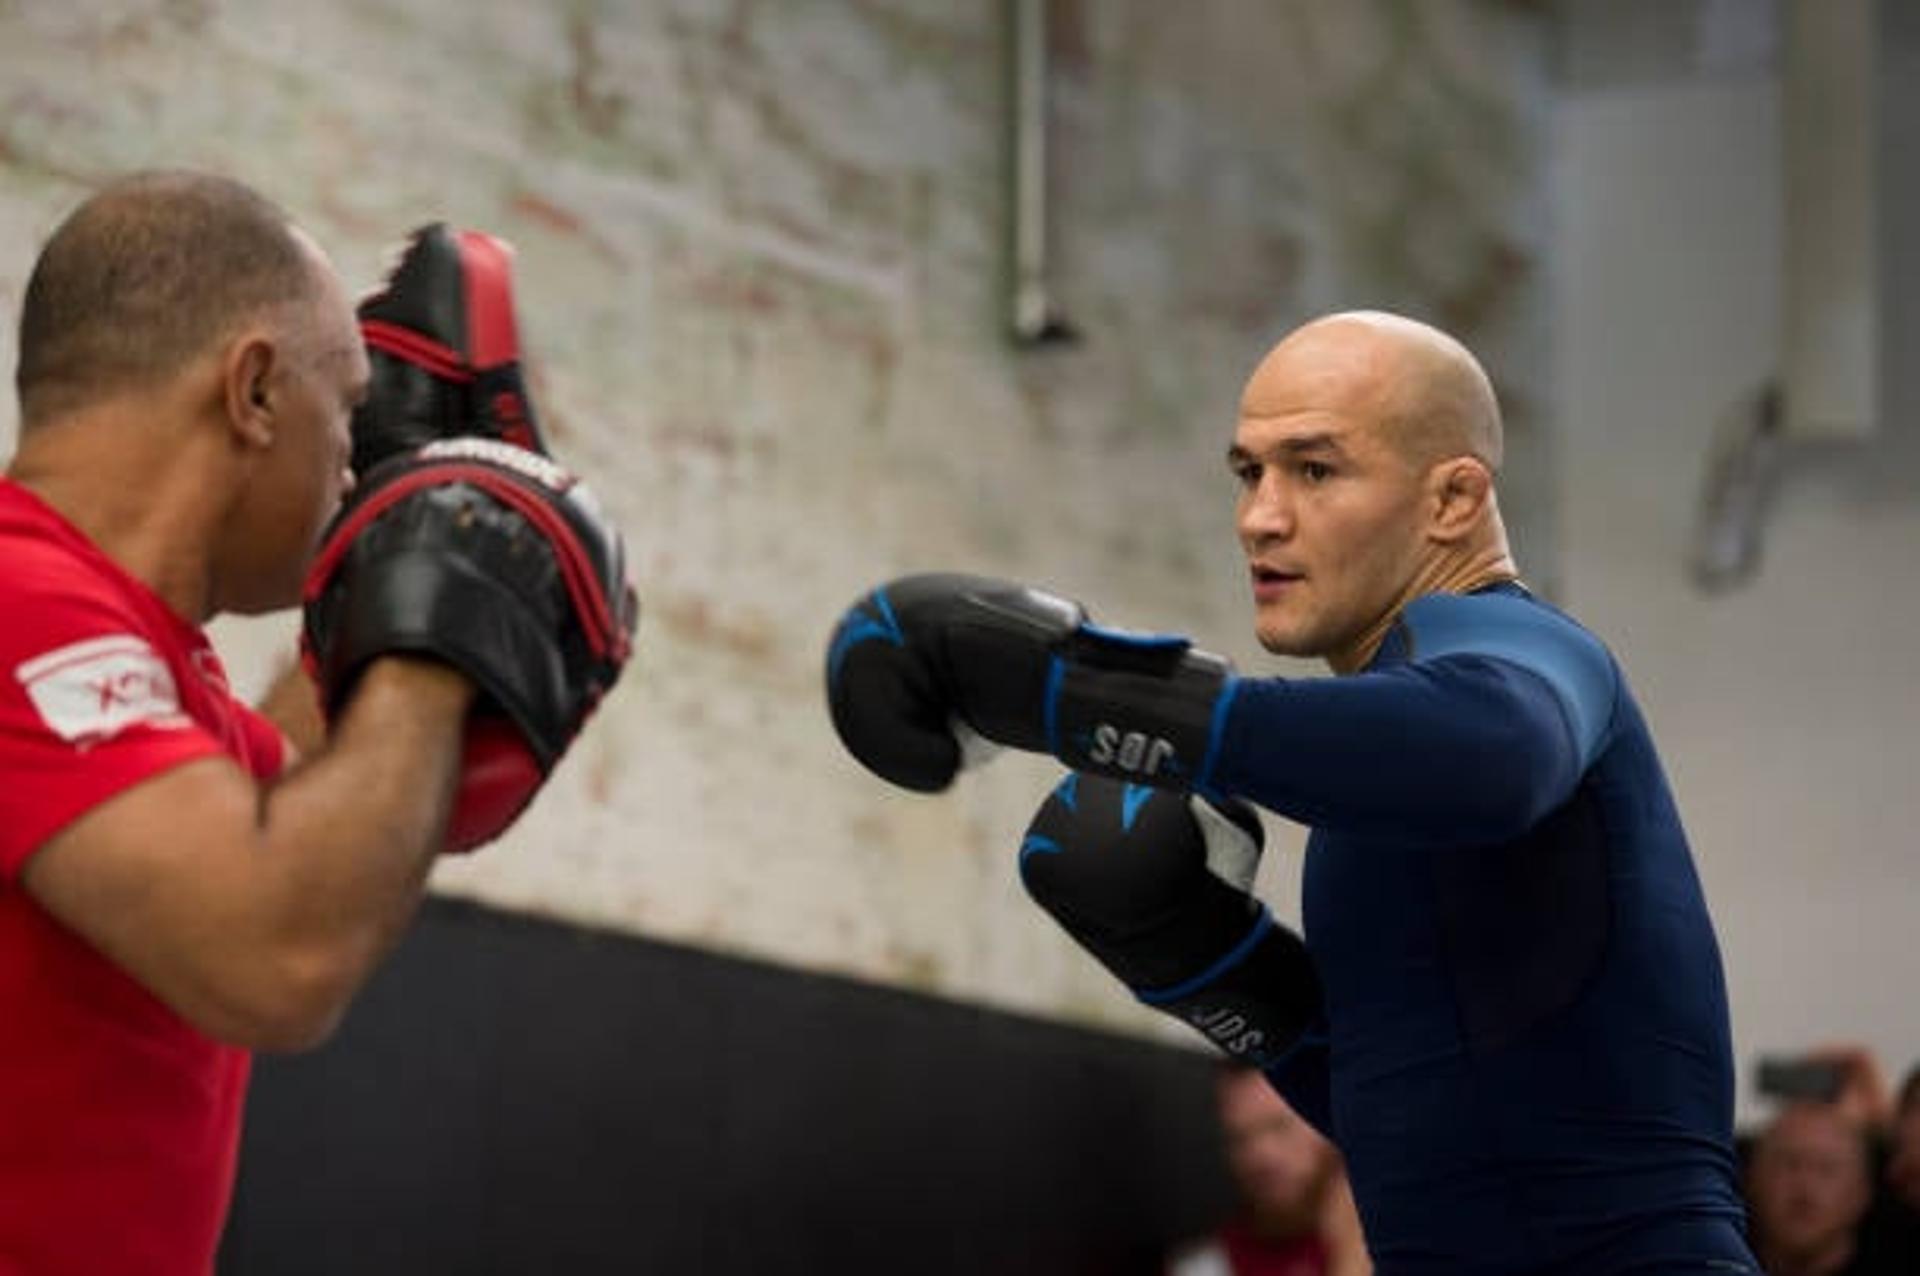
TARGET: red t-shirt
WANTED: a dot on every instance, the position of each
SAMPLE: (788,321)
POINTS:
(1237,1250)
(119,1121)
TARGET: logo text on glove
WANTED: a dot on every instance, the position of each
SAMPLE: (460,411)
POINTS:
(1227,1029)
(1134,752)
(529,464)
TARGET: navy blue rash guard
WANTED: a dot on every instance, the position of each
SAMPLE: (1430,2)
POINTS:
(1527,1063)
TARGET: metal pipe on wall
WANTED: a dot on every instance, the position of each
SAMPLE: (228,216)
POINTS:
(1035,319)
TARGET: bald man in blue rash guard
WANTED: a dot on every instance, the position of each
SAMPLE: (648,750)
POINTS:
(1509,1010)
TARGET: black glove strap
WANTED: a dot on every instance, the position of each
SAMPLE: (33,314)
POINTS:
(1256,1002)
(1141,707)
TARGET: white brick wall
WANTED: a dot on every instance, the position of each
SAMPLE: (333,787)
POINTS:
(761,269)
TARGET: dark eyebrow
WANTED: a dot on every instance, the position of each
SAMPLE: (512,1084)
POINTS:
(1306,443)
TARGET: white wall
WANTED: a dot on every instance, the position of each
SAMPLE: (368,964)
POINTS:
(761,265)
(1788,712)
(761,268)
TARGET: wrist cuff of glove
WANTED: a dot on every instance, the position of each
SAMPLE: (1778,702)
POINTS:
(1141,707)
(1256,1002)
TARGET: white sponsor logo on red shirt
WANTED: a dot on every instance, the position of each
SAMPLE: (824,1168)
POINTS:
(92,690)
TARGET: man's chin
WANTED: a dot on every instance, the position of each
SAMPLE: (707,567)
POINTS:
(1284,642)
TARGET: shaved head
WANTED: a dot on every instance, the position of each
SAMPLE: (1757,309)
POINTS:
(1427,393)
(1365,455)
(144,277)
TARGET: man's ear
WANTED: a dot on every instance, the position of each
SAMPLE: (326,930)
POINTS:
(1459,490)
(248,377)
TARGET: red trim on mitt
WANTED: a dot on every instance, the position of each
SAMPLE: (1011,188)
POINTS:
(590,602)
(486,270)
(416,348)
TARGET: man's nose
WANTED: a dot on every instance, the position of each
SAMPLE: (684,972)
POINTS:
(1266,511)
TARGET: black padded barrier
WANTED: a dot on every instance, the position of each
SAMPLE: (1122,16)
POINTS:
(511,1095)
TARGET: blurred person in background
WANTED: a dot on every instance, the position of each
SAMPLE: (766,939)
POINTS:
(1903,1151)
(1296,1215)
(1891,1235)
(1845,1081)
(1809,1186)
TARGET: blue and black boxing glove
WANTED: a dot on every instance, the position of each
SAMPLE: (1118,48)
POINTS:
(923,662)
(1157,887)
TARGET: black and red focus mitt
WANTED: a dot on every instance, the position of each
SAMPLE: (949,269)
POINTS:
(498,562)
(444,343)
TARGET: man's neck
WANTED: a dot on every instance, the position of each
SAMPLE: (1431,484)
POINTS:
(1443,574)
(142,501)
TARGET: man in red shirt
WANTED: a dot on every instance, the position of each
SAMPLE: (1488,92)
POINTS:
(1297,1216)
(176,887)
